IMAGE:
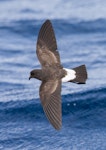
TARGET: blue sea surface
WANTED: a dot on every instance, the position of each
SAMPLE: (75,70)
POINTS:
(80,28)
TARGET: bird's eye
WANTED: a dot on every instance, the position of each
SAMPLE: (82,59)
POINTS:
(32,74)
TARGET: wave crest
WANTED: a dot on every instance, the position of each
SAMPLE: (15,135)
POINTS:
(88,107)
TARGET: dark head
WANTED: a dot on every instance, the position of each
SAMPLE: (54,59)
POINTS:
(37,73)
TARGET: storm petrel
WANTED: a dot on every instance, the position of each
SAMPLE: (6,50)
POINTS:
(52,74)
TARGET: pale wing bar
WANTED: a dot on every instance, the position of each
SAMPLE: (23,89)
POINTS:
(47,46)
(51,102)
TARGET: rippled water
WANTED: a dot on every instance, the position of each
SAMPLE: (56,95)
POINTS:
(80,29)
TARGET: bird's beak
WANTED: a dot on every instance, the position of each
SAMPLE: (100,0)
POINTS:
(29,77)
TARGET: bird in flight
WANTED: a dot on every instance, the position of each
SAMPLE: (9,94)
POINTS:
(52,74)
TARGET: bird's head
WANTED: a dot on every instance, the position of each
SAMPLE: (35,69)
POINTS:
(37,73)
(32,74)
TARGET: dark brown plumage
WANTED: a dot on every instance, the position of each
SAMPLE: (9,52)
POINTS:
(51,74)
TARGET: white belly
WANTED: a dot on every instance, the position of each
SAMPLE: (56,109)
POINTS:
(71,74)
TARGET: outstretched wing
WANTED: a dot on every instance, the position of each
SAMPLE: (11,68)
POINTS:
(46,46)
(50,95)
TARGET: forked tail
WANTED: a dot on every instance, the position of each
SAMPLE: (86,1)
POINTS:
(81,75)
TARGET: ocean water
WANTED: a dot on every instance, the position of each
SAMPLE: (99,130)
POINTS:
(80,28)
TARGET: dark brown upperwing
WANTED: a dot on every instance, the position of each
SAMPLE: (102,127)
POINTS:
(46,45)
(50,94)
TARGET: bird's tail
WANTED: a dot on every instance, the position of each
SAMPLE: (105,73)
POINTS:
(81,75)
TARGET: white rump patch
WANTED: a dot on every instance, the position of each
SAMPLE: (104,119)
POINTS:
(71,74)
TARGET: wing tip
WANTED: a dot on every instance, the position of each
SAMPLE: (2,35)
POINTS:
(54,118)
(48,21)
